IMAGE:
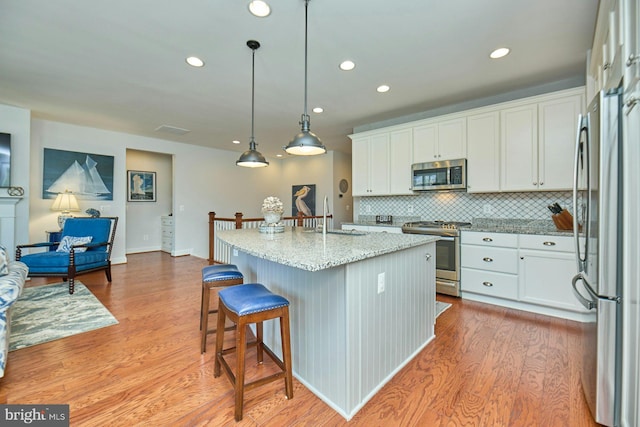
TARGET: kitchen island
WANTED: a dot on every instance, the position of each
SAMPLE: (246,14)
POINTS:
(362,304)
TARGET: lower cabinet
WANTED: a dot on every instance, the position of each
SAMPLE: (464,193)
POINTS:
(167,233)
(522,271)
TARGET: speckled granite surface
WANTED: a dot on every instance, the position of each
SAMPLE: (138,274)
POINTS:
(493,225)
(308,250)
(519,226)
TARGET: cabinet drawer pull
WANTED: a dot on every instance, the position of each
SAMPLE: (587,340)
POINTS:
(549,243)
(487,239)
(487,259)
(487,284)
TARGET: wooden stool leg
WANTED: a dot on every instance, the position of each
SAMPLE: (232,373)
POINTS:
(286,352)
(219,341)
(259,343)
(204,318)
(241,345)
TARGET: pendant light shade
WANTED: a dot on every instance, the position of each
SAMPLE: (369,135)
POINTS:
(252,158)
(306,143)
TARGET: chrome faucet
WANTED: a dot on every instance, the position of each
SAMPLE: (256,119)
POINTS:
(325,205)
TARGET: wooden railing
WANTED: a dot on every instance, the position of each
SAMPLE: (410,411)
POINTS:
(220,252)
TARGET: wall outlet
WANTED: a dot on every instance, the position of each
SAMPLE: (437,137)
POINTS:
(380,283)
(181,208)
(410,209)
(487,209)
(145,237)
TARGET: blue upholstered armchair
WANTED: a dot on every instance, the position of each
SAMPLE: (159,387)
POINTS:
(85,246)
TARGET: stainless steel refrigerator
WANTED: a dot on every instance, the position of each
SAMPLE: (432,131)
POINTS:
(597,231)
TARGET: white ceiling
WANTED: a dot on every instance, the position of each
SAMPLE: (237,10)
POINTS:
(119,64)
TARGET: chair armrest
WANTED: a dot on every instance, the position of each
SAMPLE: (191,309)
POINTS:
(38,245)
(90,245)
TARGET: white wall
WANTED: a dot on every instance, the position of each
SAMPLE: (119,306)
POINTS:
(204,180)
(143,218)
(17,122)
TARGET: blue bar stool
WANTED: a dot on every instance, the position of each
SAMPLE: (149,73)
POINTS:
(246,304)
(214,277)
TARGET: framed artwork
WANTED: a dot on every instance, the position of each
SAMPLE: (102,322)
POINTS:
(303,199)
(87,176)
(141,186)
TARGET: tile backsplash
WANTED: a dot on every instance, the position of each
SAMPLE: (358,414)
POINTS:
(461,206)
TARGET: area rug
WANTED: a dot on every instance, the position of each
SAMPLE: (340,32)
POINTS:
(47,313)
(441,307)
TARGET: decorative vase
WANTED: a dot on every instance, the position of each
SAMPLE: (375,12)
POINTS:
(272,218)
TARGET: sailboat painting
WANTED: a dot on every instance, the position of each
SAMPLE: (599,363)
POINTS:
(88,176)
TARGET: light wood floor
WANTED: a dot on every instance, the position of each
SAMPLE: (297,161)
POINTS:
(488,366)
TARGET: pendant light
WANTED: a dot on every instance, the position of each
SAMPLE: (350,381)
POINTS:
(252,157)
(306,143)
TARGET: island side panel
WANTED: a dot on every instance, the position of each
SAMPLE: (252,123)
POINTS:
(386,329)
(317,314)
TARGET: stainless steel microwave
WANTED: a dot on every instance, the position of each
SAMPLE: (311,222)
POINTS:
(442,175)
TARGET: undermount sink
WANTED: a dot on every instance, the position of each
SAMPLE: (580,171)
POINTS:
(347,232)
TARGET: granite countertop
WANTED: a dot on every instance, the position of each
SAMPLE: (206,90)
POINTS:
(305,249)
(516,225)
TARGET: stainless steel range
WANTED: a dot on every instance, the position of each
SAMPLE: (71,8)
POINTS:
(447,251)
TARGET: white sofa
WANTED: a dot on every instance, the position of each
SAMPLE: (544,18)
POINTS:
(11,285)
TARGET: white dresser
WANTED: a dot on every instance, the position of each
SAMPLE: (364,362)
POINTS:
(167,228)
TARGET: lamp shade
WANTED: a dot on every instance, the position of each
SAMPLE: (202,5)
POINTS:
(65,202)
(252,158)
(306,143)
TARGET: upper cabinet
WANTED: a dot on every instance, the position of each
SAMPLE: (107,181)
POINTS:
(483,152)
(371,169)
(523,145)
(440,140)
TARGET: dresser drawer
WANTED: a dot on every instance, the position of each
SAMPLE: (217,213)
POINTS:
(502,260)
(167,232)
(547,243)
(166,221)
(489,239)
(489,283)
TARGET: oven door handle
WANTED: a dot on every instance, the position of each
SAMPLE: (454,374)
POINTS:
(449,239)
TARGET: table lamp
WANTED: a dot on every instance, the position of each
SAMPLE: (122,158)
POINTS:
(65,203)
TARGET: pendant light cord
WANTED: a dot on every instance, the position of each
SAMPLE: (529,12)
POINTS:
(305,116)
(253,84)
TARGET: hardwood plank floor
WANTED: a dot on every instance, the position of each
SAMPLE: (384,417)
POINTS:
(488,366)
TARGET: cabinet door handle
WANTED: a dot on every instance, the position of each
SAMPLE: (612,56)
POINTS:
(487,259)
(487,284)
(633,58)
(549,243)
(541,183)
(487,239)
(606,65)
(428,256)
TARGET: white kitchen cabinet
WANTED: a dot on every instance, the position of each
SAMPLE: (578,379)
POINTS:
(440,140)
(557,126)
(519,148)
(538,142)
(522,271)
(400,160)
(370,165)
(489,264)
(483,152)
(547,265)
(167,229)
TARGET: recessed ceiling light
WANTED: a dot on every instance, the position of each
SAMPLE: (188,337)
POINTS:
(235,141)
(259,8)
(499,53)
(278,155)
(347,65)
(383,88)
(194,61)
(318,109)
